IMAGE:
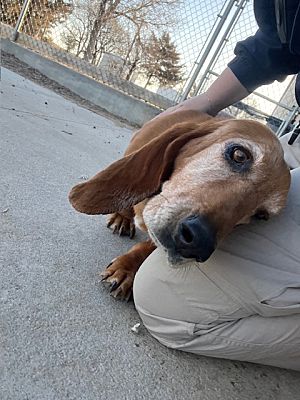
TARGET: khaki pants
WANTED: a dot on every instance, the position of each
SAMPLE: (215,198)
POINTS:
(242,304)
(291,153)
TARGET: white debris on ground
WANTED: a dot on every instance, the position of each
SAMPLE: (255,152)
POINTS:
(136,328)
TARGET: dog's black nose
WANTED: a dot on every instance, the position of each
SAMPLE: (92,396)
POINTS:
(195,238)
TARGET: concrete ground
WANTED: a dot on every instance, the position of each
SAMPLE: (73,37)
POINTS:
(62,335)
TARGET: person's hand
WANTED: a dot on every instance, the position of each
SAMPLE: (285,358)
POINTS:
(225,91)
(199,103)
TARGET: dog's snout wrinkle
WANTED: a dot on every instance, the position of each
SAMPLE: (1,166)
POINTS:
(195,238)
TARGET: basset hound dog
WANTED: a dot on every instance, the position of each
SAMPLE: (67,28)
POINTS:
(187,179)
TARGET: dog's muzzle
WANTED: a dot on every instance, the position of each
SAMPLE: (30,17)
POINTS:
(194,237)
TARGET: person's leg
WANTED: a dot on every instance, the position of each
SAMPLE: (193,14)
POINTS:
(180,318)
(243,304)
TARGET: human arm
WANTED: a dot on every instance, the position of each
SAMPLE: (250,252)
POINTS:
(226,90)
(260,59)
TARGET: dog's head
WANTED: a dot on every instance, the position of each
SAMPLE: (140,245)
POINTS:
(202,179)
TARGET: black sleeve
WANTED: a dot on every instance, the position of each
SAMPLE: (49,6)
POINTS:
(261,59)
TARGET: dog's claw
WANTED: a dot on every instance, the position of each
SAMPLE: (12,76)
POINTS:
(119,276)
(128,297)
(104,276)
(122,225)
(132,231)
(116,293)
(119,294)
(114,286)
(110,264)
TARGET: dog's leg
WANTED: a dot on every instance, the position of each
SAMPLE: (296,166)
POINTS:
(122,222)
(121,271)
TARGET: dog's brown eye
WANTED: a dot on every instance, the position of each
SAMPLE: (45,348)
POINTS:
(239,156)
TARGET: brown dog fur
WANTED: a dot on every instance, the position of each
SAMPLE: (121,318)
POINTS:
(177,162)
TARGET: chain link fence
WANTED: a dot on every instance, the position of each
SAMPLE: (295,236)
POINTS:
(159,51)
(271,103)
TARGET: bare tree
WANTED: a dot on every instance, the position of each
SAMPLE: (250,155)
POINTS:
(146,12)
(75,35)
(42,15)
(121,27)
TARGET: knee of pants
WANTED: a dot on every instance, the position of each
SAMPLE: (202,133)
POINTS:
(162,309)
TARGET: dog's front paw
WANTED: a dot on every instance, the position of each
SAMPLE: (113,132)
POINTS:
(122,224)
(120,275)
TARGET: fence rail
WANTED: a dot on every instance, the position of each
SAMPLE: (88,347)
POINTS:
(159,51)
(84,67)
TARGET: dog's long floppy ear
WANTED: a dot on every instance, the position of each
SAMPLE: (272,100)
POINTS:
(137,176)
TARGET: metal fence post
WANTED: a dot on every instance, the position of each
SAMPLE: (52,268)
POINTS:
(222,42)
(20,21)
(287,121)
(208,48)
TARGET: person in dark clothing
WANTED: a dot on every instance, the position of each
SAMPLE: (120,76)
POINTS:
(274,51)
(271,54)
